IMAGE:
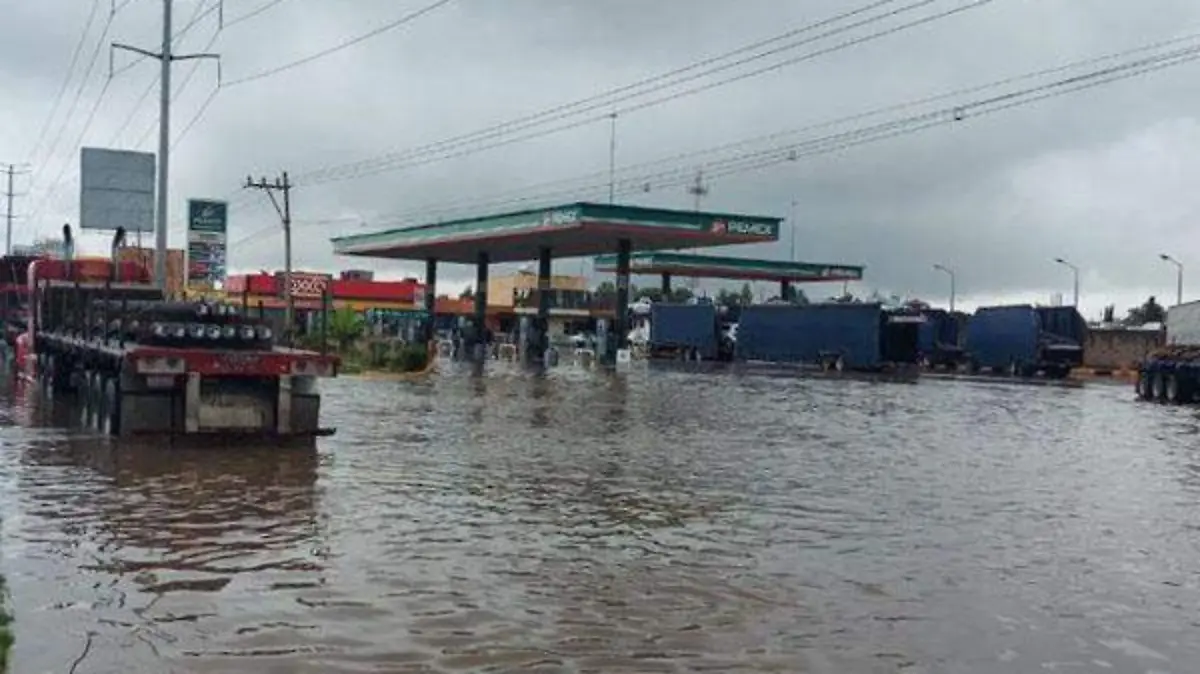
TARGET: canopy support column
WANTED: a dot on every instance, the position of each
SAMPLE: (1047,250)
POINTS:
(624,249)
(430,298)
(479,340)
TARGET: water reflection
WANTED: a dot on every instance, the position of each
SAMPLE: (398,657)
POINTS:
(139,549)
(640,522)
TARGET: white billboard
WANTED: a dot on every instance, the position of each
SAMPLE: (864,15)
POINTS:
(116,189)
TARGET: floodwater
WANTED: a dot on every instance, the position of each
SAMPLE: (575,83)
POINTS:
(648,522)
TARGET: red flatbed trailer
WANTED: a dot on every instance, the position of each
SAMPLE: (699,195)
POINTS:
(126,388)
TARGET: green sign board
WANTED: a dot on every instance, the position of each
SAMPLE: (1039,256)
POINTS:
(207,216)
(207,224)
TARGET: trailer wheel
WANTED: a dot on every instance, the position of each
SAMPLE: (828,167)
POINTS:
(108,409)
(1173,393)
(86,398)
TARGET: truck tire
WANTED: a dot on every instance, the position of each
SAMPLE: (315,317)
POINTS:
(1174,391)
(108,412)
(1158,387)
(1143,387)
(86,398)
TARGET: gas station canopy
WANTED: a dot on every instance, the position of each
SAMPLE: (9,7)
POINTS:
(571,230)
(711,266)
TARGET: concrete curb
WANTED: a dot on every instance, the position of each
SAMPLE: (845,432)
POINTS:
(1104,373)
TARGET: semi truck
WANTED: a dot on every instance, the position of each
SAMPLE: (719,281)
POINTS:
(830,336)
(140,365)
(1024,340)
(1171,373)
(940,339)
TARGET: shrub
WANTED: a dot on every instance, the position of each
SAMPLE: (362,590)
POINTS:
(6,636)
(410,358)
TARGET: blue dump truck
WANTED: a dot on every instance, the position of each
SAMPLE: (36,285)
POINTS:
(1172,373)
(940,339)
(863,337)
(1023,340)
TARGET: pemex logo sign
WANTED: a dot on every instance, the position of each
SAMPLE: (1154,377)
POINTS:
(743,228)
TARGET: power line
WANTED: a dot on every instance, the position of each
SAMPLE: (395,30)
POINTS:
(78,94)
(777,135)
(197,15)
(344,45)
(491,130)
(179,92)
(66,80)
(684,175)
(604,101)
(133,111)
(252,13)
(53,189)
(196,118)
(605,95)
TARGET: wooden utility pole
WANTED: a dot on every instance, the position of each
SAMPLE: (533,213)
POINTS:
(285,215)
(10,170)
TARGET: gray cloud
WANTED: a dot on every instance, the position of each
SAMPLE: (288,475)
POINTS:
(1101,176)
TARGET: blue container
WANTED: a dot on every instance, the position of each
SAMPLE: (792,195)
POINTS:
(861,335)
(684,326)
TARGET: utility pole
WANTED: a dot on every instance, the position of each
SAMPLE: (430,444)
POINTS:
(698,189)
(285,215)
(165,57)
(10,170)
(612,159)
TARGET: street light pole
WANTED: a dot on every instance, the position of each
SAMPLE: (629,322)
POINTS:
(792,234)
(1075,273)
(1178,277)
(949,272)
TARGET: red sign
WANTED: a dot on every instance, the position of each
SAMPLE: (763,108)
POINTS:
(309,285)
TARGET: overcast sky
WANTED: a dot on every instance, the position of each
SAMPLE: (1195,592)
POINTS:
(1105,177)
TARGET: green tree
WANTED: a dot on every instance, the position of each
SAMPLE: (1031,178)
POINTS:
(1149,312)
(746,296)
(467,293)
(345,327)
(606,289)
(652,294)
(795,295)
(681,295)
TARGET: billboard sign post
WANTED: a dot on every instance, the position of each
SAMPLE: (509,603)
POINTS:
(208,222)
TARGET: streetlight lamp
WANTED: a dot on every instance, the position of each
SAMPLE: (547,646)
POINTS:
(949,272)
(1075,274)
(1178,277)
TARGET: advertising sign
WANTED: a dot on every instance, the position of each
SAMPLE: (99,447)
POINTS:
(116,189)
(207,224)
(308,286)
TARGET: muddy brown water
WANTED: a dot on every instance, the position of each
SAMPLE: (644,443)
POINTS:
(647,522)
